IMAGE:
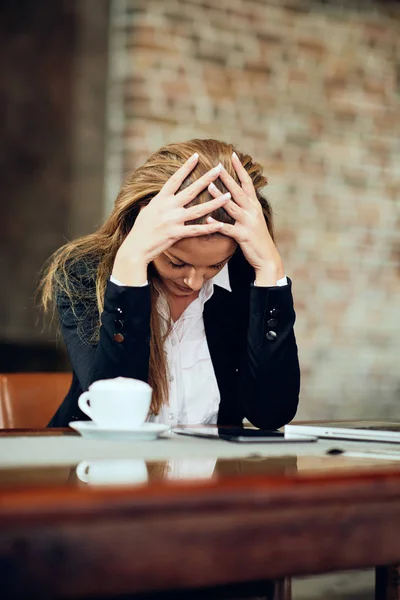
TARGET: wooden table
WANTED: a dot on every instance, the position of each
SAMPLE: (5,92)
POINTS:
(265,515)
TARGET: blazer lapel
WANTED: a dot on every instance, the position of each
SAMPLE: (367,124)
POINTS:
(221,332)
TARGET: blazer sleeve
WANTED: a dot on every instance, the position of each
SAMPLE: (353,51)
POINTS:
(123,349)
(269,378)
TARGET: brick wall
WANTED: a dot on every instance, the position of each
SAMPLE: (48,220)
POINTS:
(311,90)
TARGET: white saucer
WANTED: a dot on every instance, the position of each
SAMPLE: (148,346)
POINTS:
(147,431)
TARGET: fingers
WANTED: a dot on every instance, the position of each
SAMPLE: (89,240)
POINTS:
(195,212)
(232,231)
(244,177)
(235,211)
(244,194)
(214,191)
(198,230)
(174,183)
(193,190)
(231,207)
(238,194)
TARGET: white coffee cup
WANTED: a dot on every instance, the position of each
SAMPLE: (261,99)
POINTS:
(119,403)
(112,472)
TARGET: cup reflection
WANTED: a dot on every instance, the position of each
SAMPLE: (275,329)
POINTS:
(112,472)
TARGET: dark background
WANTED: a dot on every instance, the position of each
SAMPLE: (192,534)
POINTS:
(53,65)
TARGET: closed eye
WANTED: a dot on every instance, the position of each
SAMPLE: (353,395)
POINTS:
(216,267)
(182,265)
(175,266)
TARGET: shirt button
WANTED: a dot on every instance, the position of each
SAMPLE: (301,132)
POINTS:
(171,416)
(271,336)
(174,342)
(171,379)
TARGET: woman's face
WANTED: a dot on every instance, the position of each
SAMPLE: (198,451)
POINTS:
(186,265)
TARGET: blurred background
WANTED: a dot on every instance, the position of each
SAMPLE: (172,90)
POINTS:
(309,88)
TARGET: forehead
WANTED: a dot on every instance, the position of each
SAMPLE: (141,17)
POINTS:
(203,251)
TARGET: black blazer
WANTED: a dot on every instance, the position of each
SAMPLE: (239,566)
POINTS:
(249,333)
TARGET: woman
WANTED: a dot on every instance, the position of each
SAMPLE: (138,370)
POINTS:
(150,295)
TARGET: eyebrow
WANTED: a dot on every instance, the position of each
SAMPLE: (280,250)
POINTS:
(189,265)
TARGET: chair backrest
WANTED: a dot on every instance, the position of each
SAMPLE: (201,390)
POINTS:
(29,400)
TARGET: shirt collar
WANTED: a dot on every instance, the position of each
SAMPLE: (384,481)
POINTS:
(222,279)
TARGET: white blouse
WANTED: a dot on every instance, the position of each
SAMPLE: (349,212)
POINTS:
(193,390)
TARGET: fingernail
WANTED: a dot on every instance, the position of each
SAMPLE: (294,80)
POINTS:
(194,156)
(213,188)
(234,155)
(217,169)
(211,220)
(226,196)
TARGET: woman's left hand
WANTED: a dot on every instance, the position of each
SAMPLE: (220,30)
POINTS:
(250,229)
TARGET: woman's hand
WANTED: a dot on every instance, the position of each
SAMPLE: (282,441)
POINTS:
(250,229)
(162,223)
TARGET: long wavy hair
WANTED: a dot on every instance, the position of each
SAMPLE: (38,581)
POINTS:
(76,275)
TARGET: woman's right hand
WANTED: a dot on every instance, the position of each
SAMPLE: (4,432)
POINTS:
(162,223)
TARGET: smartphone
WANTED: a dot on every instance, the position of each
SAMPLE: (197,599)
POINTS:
(242,434)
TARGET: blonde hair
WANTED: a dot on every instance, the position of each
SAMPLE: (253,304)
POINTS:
(76,275)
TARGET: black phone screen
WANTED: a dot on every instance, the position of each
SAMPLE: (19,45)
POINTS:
(247,432)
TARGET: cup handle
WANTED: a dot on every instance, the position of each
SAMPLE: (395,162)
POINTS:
(82,471)
(83,403)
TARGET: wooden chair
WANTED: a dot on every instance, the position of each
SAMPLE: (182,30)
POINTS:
(29,400)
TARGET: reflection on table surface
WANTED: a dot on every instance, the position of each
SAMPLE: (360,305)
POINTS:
(139,472)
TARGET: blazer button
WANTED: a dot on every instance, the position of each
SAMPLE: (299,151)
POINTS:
(272,323)
(118,337)
(271,336)
(274,312)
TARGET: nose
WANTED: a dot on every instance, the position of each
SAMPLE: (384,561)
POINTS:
(194,280)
